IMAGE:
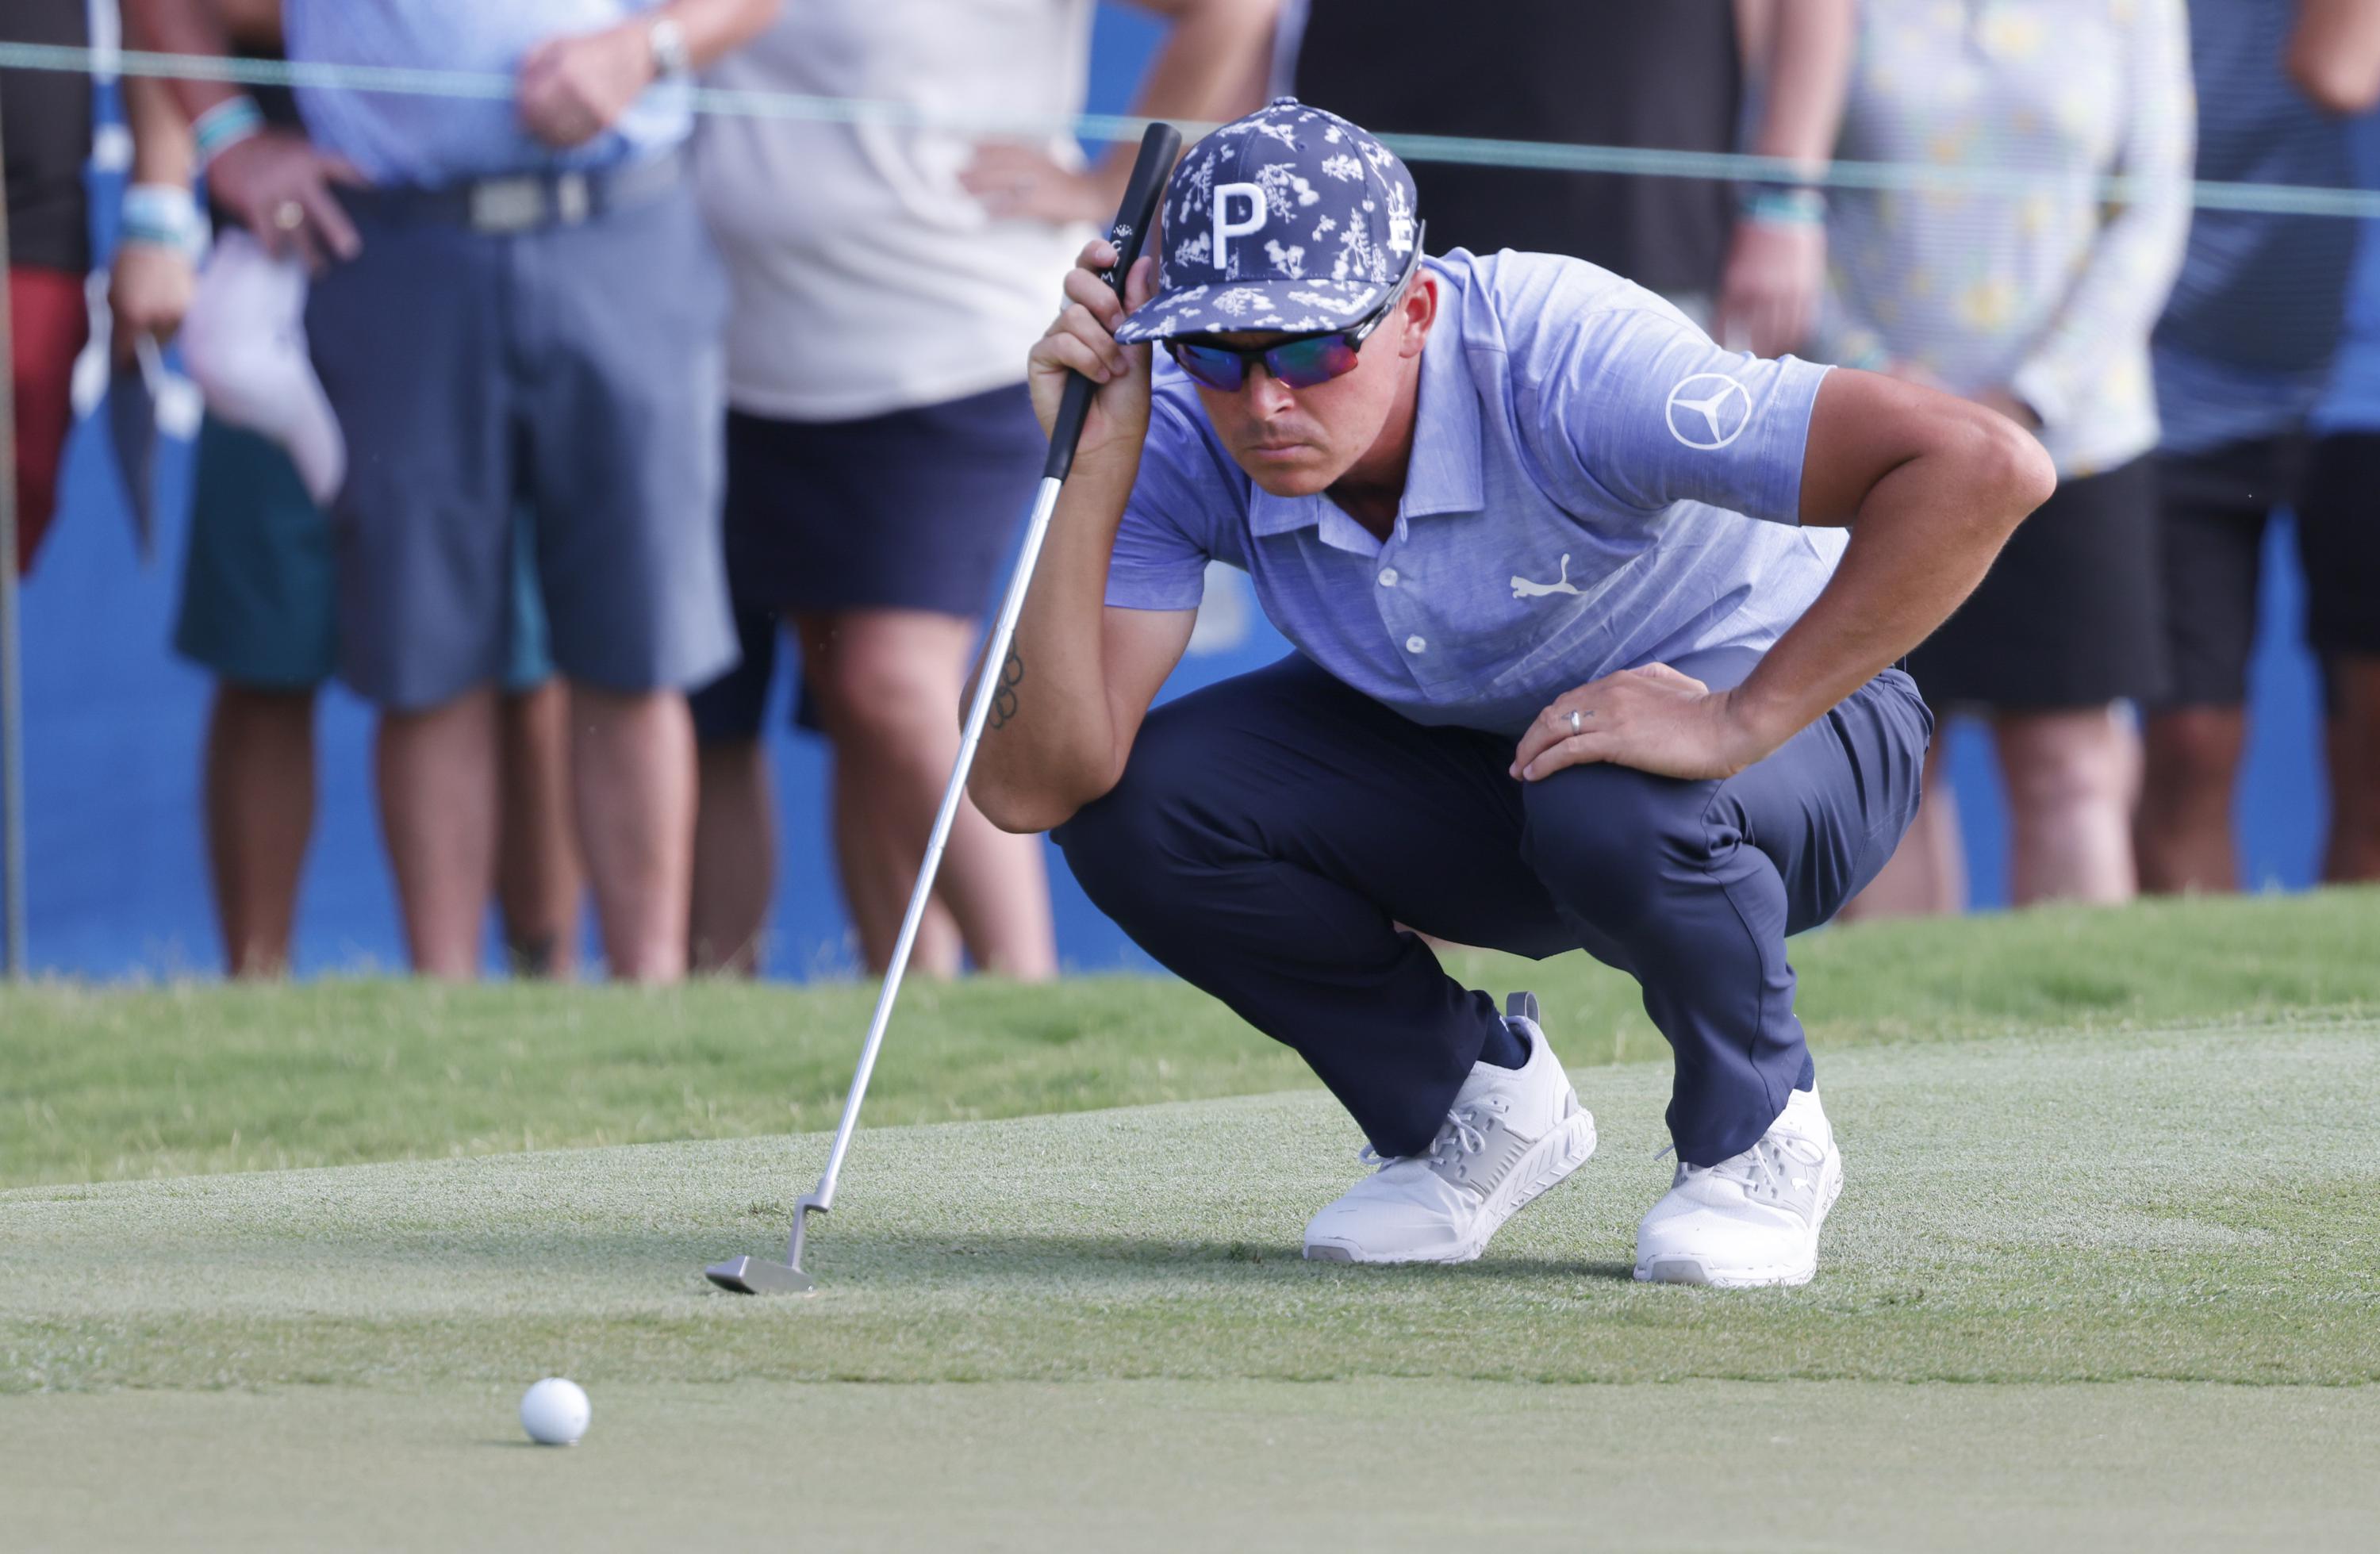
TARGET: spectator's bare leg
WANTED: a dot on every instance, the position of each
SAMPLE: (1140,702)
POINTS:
(889,682)
(734,856)
(632,769)
(1927,876)
(260,806)
(537,877)
(2072,776)
(878,851)
(439,807)
(2353,854)
(2183,834)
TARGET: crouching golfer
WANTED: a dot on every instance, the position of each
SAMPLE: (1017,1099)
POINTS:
(1586,660)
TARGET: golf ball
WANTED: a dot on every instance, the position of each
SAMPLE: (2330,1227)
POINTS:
(555,1411)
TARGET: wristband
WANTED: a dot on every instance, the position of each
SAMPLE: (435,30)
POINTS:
(1785,204)
(225,126)
(162,216)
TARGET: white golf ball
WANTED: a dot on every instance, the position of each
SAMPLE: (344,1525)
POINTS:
(555,1411)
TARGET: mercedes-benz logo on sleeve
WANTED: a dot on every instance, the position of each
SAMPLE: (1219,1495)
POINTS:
(1708,410)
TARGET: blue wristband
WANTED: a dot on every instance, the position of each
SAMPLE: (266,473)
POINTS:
(225,126)
(162,216)
(1785,205)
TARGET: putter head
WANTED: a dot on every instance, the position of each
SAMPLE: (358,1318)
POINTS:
(759,1276)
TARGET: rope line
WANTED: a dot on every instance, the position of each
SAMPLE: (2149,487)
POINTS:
(1541,155)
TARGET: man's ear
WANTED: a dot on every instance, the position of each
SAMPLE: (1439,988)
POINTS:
(1420,310)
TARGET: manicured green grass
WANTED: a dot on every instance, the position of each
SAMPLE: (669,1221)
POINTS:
(100,1084)
(1392,1464)
(2191,1206)
(2106,1274)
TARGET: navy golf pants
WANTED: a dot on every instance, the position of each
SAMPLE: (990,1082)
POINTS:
(1270,832)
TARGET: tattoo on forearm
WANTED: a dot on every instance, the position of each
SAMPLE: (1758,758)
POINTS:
(1003,696)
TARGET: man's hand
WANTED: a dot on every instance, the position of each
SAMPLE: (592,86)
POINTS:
(574,88)
(279,187)
(1653,718)
(1083,340)
(149,293)
(1014,182)
(1770,289)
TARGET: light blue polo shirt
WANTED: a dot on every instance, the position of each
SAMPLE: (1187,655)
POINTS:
(1595,486)
(429,141)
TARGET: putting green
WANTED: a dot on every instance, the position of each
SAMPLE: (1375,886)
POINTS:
(296,1358)
(2189,1206)
(1372,1464)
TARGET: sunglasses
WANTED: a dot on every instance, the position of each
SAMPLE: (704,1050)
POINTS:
(1302,363)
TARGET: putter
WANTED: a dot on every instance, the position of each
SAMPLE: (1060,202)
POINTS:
(1160,148)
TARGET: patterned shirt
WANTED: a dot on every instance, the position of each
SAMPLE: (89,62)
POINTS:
(2044,290)
(1588,472)
(429,141)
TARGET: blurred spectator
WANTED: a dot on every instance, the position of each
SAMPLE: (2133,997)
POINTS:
(1608,72)
(888,280)
(258,584)
(45,132)
(2243,353)
(2336,56)
(2039,304)
(520,303)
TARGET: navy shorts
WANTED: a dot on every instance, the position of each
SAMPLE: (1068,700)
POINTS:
(2068,616)
(2210,552)
(2338,538)
(575,370)
(913,510)
(259,583)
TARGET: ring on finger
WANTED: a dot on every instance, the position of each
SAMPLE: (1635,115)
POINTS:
(1574,720)
(289,215)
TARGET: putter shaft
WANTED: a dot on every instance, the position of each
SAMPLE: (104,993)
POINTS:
(1160,148)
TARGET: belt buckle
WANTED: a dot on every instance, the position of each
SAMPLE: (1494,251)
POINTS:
(574,199)
(503,205)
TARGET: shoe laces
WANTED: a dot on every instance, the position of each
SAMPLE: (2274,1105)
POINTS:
(1764,1171)
(1462,1133)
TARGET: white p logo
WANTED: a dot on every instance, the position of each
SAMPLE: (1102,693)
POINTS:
(1226,229)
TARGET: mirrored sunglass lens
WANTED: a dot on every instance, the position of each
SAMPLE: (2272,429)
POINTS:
(1305,363)
(1216,368)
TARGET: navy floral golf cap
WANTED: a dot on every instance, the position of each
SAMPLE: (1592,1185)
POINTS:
(1291,219)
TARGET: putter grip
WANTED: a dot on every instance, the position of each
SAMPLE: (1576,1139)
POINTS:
(1159,149)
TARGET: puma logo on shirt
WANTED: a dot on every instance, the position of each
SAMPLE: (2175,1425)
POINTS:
(1524,589)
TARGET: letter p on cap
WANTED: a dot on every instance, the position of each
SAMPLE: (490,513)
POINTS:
(1226,229)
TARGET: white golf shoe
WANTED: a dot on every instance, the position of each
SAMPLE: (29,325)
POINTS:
(1751,1218)
(1511,1134)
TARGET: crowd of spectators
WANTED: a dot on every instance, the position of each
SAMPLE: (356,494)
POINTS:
(542,423)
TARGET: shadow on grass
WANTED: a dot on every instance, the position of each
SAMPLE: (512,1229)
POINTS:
(1061,1259)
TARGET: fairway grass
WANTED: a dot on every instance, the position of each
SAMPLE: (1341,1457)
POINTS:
(2191,1206)
(117,1084)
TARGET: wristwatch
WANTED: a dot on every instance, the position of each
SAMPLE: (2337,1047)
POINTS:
(671,59)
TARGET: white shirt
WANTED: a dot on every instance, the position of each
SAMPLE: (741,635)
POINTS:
(866,279)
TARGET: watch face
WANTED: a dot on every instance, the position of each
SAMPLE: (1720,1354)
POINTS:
(668,42)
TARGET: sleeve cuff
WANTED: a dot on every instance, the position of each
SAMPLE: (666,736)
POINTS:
(2043,390)
(1155,591)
